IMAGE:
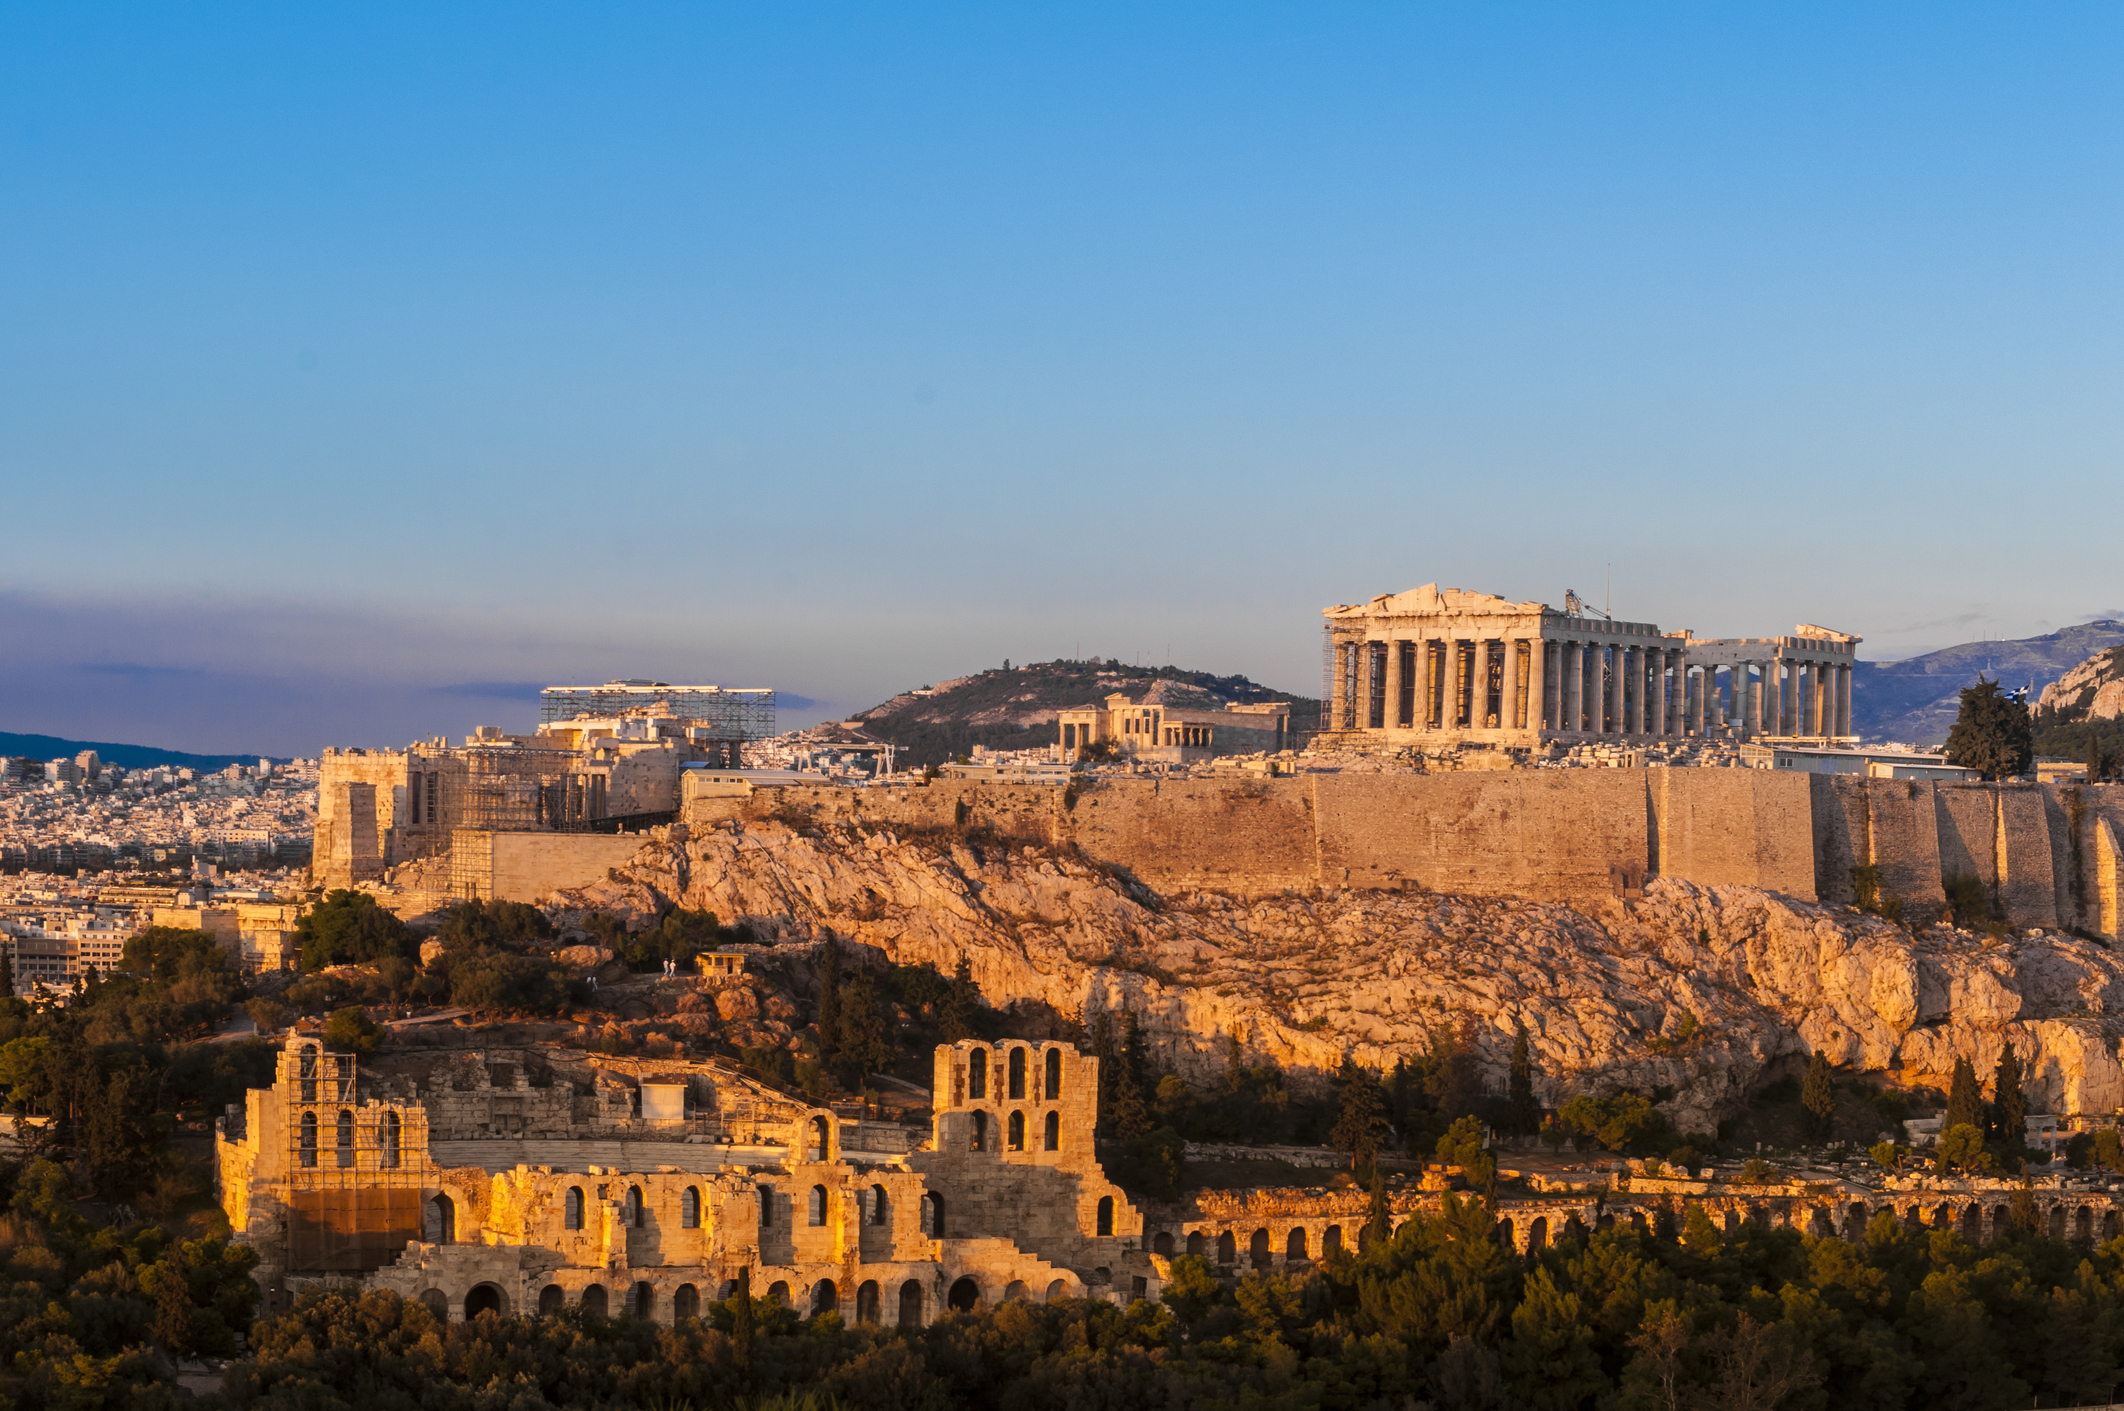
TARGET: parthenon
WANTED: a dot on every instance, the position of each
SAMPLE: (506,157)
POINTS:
(1438,665)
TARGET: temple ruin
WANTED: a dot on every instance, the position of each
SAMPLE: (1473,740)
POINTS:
(1434,667)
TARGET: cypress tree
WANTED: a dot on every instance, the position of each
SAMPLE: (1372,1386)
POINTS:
(1965,1101)
(1526,1109)
(2009,1103)
(741,1328)
(1379,1223)
(1818,1095)
(830,999)
(1361,1127)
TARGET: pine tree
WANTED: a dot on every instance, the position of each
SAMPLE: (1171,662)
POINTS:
(1965,1101)
(863,1038)
(1992,732)
(1129,1113)
(173,1309)
(1526,1108)
(1818,1096)
(2009,1104)
(1102,1049)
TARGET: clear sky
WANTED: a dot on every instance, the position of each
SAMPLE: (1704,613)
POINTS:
(362,366)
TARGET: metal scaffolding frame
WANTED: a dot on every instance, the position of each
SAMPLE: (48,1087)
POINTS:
(355,1176)
(724,713)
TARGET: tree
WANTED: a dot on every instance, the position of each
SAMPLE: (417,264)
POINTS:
(956,1012)
(1361,1126)
(1519,1092)
(862,1041)
(741,1326)
(1992,732)
(348,927)
(1379,1219)
(2009,1104)
(1965,1101)
(830,997)
(1818,1096)
(1962,1148)
(351,1030)
(267,1014)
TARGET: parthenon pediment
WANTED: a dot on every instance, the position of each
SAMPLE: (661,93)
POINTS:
(1431,599)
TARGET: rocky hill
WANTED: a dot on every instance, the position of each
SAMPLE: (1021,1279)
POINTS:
(1916,699)
(1015,707)
(2093,690)
(1694,996)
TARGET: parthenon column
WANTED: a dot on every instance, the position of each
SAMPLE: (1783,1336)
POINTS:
(1341,659)
(1390,716)
(1714,708)
(1538,686)
(1616,667)
(1508,706)
(1759,699)
(1843,700)
(1678,697)
(1570,680)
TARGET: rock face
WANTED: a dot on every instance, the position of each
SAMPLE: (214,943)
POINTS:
(1696,994)
(2093,690)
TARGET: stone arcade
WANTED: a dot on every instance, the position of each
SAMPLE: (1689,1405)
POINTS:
(557,1179)
(1435,665)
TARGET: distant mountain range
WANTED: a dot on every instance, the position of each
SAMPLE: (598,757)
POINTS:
(124,756)
(1015,708)
(1916,699)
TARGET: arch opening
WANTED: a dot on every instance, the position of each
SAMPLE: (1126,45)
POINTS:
(965,1295)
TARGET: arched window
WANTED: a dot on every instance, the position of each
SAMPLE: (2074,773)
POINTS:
(690,1209)
(594,1302)
(390,1141)
(933,1215)
(766,1207)
(440,1221)
(641,1300)
(1053,1131)
(1227,1248)
(878,1205)
(634,1206)
(1017,1075)
(307,1068)
(1054,1074)
(980,1140)
(1017,1131)
(821,1139)
(1106,1215)
(343,1071)
(818,1205)
(552,1299)
(343,1137)
(685,1302)
(309,1139)
(572,1209)
(977,1075)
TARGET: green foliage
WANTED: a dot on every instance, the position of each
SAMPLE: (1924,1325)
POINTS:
(1886,1155)
(486,923)
(351,1030)
(1361,1126)
(1872,897)
(1519,1091)
(497,979)
(1151,1163)
(349,927)
(2009,1104)
(1962,1148)
(1965,1101)
(1626,1122)
(1756,1172)
(1818,1096)
(1992,734)
(863,1039)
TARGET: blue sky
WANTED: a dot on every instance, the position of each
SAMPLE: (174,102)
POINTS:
(365,364)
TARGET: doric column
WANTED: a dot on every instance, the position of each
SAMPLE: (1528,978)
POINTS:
(1508,709)
(1714,707)
(1677,691)
(1843,700)
(1758,693)
(1423,683)
(1538,684)
(1570,683)
(1341,685)
(1391,715)
(1479,687)
(1616,670)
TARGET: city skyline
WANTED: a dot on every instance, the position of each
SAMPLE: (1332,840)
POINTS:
(369,370)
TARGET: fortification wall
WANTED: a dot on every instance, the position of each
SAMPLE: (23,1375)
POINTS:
(2040,853)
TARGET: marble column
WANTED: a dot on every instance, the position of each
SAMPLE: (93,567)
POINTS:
(1342,670)
(1616,672)
(1570,680)
(1538,683)
(1391,715)
(1843,700)
(1479,698)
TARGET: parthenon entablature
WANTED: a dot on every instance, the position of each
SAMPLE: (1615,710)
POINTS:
(1433,666)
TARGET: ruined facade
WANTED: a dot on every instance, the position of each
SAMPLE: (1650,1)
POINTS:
(553,1179)
(1154,731)
(377,809)
(1438,666)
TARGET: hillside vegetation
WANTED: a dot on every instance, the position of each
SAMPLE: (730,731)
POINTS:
(2081,715)
(1916,700)
(1013,708)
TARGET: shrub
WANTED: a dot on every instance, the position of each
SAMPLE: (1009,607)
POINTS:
(351,1030)
(1151,1163)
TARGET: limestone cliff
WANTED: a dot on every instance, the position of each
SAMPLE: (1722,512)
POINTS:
(2093,690)
(1693,993)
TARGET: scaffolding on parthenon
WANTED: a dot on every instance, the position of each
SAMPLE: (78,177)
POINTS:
(719,712)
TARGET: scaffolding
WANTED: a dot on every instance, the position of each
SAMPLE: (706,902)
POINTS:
(715,712)
(356,1171)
